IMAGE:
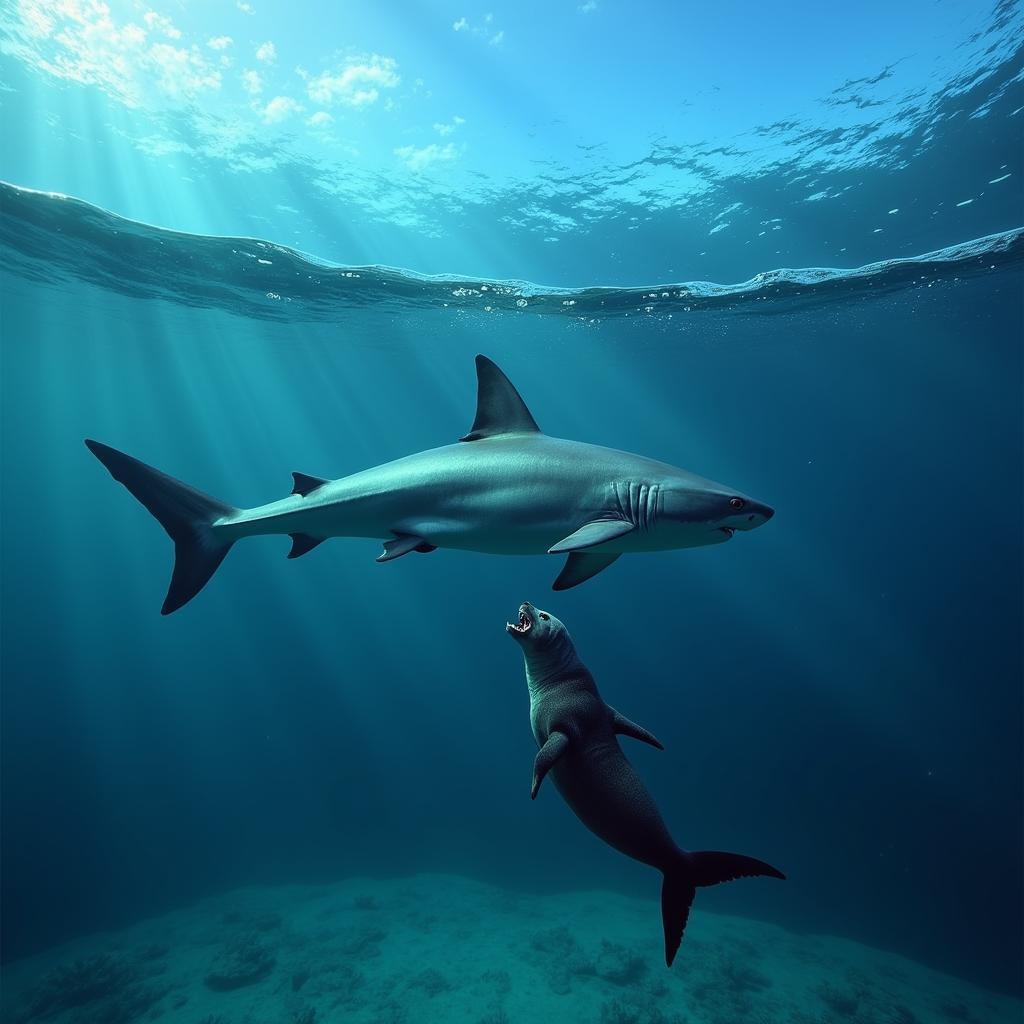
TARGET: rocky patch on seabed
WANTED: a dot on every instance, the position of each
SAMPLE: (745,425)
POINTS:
(448,950)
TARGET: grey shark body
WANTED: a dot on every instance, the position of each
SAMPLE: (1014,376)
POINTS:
(504,488)
(576,733)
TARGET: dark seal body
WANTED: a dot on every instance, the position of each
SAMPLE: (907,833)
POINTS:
(593,775)
(577,735)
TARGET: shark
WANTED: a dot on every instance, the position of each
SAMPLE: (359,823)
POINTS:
(504,488)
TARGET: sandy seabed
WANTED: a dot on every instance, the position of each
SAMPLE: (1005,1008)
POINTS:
(441,948)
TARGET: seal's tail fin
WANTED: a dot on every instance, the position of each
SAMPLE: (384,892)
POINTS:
(704,867)
(185,513)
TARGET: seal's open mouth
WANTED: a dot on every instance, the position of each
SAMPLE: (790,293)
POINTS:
(524,625)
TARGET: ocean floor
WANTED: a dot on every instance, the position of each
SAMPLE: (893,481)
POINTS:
(440,948)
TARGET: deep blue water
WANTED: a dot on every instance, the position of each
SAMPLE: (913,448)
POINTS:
(838,693)
(823,310)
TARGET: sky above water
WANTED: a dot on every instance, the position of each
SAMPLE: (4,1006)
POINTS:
(422,133)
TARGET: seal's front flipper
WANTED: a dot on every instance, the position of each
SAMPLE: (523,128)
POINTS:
(600,531)
(402,545)
(624,727)
(554,747)
(580,566)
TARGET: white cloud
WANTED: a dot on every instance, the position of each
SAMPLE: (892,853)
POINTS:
(252,82)
(219,42)
(179,73)
(587,8)
(82,41)
(451,126)
(417,159)
(357,83)
(244,7)
(266,52)
(319,119)
(156,22)
(36,20)
(484,30)
(279,109)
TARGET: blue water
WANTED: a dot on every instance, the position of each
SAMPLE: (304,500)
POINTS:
(838,693)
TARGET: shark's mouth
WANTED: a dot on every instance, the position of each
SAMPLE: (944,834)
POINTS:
(524,625)
(727,530)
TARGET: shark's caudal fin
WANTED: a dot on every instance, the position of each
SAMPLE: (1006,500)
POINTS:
(185,513)
(705,867)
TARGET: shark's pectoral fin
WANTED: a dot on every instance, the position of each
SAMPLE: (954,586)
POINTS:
(624,727)
(402,545)
(303,542)
(304,483)
(589,535)
(553,749)
(499,407)
(579,567)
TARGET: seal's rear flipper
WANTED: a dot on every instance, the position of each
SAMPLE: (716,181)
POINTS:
(185,513)
(677,894)
(709,867)
(704,867)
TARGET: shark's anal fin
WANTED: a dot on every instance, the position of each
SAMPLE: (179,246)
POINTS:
(303,543)
(304,483)
(580,566)
(589,535)
(402,545)
(499,407)
(624,727)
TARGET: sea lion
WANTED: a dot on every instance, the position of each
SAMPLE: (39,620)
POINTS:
(576,733)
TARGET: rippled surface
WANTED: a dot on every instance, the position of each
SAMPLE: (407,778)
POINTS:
(49,236)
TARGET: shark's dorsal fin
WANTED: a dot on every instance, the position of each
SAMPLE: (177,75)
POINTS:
(304,483)
(499,407)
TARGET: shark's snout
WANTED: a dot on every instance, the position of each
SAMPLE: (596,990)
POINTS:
(753,515)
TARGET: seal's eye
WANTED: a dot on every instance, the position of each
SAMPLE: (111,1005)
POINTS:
(737,503)
(545,616)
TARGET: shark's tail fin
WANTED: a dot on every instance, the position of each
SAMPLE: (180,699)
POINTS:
(185,513)
(705,867)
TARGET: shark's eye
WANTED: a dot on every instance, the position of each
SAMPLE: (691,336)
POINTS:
(545,616)
(737,503)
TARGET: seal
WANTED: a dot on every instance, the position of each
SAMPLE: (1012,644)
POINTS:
(576,732)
